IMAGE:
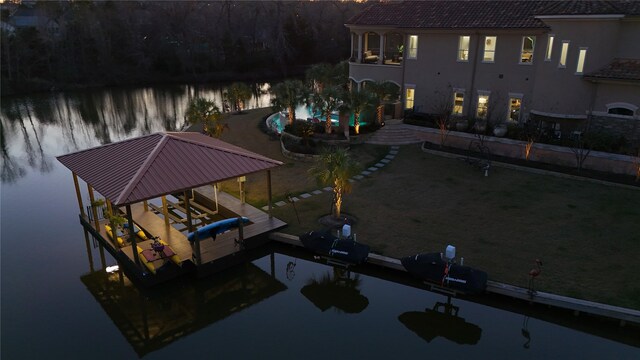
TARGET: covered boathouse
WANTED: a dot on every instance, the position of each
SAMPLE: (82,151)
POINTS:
(138,179)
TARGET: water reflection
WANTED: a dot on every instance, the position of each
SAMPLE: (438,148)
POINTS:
(151,321)
(445,323)
(338,289)
(36,128)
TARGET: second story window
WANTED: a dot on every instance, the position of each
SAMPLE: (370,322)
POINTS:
(413,47)
(564,50)
(547,54)
(463,48)
(582,55)
(528,44)
(489,49)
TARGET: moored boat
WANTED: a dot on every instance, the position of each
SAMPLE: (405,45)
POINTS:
(433,268)
(343,249)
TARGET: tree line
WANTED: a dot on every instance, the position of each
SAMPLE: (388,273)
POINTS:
(111,42)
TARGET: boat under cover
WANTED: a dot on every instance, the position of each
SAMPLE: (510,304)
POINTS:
(325,244)
(432,268)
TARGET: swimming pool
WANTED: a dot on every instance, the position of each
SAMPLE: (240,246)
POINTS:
(277,121)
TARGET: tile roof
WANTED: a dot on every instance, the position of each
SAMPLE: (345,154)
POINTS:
(149,166)
(490,14)
(618,69)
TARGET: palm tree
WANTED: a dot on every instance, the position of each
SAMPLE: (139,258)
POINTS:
(288,95)
(357,101)
(335,168)
(237,94)
(383,91)
(318,76)
(205,112)
(326,102)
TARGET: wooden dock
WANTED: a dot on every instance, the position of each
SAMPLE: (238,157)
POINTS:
(224,251)
(576,305)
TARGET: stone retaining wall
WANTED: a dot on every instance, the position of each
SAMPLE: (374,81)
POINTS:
(308,157)
(618,126)
(550,154)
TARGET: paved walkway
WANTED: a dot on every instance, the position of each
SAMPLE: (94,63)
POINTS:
(395,133)
(393,151)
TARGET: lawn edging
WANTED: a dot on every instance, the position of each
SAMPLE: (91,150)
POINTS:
(545,153)
(624,315)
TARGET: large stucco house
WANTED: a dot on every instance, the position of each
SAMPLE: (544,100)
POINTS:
(570,64)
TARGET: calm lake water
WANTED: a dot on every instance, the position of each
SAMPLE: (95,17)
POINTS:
(56,303)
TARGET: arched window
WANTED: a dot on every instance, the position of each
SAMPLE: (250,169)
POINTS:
(621,109)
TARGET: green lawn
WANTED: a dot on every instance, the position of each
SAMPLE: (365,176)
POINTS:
(586,234)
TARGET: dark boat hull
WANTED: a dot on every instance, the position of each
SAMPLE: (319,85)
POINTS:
(325,244)
(430,267)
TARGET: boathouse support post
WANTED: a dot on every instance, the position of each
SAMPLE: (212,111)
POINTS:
(269,192)
(273,265)
(94,212)
(145,205)
(241,232)
(165,211)
(103,261)
(187,207)
(89,255)
(132,236)
(78,194)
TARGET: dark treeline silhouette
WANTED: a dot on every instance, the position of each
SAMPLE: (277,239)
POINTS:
(81,43)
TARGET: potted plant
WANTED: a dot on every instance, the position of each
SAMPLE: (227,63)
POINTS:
(500,130)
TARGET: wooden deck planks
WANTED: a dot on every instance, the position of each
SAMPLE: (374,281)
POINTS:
(225,244)
(154,225)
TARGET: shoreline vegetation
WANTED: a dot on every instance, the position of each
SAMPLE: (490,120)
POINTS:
(78,44)
(422,202)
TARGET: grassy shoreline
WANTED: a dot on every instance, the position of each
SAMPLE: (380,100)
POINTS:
(587,234)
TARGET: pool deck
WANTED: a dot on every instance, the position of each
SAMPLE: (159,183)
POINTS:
(576,305)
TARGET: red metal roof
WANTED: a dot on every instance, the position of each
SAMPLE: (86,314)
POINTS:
(149,166)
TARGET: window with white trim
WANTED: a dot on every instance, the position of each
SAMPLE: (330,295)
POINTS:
(526,53)
(547,54)
(564,50)
(489,48)
(458,102)
(621,108)
(483,104)
(463,48)
(582,55)
(413,47)
(515,103)
(410,94)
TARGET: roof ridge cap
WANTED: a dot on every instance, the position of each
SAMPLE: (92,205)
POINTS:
(251,155)
(142,169)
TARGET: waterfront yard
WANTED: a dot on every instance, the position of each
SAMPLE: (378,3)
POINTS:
(586,234)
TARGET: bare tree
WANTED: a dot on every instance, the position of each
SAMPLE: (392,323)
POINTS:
(443,107)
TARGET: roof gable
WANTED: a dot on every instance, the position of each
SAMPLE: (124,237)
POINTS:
(153,165)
